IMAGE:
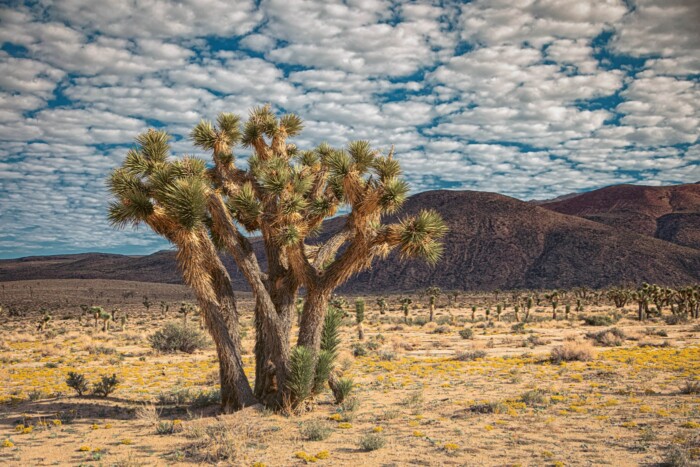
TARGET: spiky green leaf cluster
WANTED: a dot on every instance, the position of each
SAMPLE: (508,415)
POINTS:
(301,373)
(420,236)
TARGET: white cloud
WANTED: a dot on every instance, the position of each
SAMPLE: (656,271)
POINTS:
(505,96)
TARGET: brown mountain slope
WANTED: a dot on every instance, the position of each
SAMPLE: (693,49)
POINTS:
(494,242)
(500,242)
(642,209)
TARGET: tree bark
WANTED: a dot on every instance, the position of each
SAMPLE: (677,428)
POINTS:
(312,318)
(223,324)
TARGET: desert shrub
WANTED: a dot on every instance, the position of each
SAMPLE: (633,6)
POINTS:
(174,337)
(168,427)
(346,409)
(371,442)
(226,441)
(608,338)
(655,332)
(106,386)
(315,430)
(469,355)
(414,400)
(177,396)
(350,404)
(676,319)
(420,321)
(691,387)
(677,456)
(101,350)
(466,333)
(534,340)
(359,350)
(387,356)
(77,382)
(36,394)
(373,345)
(441,330)
(147,413)
(534,397)
(518,328)
(207,398)
(342,389)
(489,407)
(602,320)
(440,320)
(573,351)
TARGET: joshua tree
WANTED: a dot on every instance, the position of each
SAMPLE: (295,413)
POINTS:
(433,293)
(619,296)
(185,310)
(146,303)
(473,313)
(452,297)
(528,306)
(164,308)
(499,310)
(516,312)
(44,320)
(405,303)
(579,305)
(96,311)
(114,313)
(567,310)
(84,309)
(360,317)
(554,300)
(284,194)
(105,317)
(381,303)
(642,296)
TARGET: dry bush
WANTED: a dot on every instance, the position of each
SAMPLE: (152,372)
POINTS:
(345,360)
(148,414)
(227,440)
(469,355)
(573,351)
(612,337)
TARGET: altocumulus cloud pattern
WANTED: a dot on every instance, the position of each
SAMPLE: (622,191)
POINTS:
(530,98)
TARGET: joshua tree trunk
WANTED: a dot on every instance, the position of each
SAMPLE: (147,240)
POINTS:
(222,321)
(312,318)
(640,311)
(272,352)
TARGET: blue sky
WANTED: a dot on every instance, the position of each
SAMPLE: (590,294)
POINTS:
(529,98)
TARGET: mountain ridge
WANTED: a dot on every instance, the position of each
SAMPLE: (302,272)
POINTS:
(494,241)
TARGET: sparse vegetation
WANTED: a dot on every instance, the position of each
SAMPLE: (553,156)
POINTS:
(573,351)
(407,377)
(77,382)
(174,337)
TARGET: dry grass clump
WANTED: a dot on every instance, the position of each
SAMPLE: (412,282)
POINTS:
(691,387)
(315,430)
(148,414)
(612,337)
(226,441)
(469,355)
(572,351)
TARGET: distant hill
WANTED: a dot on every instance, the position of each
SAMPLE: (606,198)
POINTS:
(494,242)
(670,213)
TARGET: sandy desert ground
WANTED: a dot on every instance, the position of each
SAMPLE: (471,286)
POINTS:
(432,396)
